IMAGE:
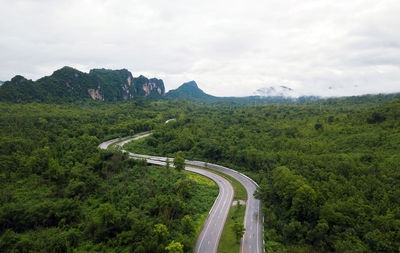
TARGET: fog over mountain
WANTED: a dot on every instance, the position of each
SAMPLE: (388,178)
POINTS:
(231,48)
(277,91)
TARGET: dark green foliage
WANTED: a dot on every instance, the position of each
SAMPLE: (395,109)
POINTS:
(318,126)
(179,161)
(376,118)
(238,229)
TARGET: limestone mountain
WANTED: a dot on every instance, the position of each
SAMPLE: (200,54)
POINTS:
(69,84)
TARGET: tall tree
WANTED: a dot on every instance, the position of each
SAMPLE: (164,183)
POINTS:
(179,161)
(174,247)
(238,229)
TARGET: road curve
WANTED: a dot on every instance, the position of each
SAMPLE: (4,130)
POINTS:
(209,237)
(252,241)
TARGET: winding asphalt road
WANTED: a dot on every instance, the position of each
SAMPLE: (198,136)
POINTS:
(253,222)
(209,237)
(208,240)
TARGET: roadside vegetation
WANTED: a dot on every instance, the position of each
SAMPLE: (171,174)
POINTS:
(205,196)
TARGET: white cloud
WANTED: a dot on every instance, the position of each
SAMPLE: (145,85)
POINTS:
(229,47)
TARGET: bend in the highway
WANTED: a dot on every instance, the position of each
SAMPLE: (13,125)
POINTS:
(209,237)
(252,241)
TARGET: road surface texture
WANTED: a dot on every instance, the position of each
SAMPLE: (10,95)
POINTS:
(208,240)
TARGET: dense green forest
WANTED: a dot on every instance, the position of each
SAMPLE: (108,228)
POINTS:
(328,173)
(60,193)
(328,170)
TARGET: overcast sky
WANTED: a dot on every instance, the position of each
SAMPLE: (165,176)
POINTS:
(319,47)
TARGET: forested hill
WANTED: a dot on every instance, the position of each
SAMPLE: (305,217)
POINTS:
(191,92)
(68,84)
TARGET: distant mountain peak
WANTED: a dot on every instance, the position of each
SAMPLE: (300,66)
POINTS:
(18,79)
(191,84)
(67,68)
(189,91)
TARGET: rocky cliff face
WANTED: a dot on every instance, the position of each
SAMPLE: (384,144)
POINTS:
(95,94)
(68,84)
(149,87)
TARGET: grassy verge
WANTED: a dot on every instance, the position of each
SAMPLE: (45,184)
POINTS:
(202,198)
(228,243)
(240,191)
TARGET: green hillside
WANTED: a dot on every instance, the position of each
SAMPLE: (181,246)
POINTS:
(68,84)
